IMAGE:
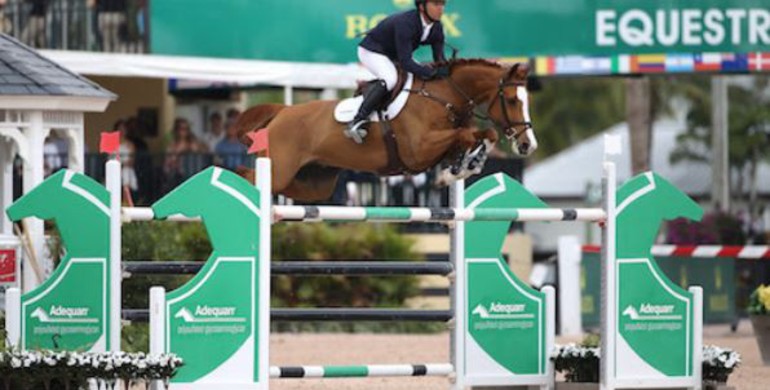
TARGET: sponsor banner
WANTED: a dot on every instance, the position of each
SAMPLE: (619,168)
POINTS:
(327,31)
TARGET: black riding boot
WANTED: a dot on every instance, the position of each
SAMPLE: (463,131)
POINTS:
(373,97)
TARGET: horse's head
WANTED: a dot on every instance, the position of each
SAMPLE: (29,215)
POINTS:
(509,110)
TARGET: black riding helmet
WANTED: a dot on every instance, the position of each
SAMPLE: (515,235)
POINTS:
(418,2)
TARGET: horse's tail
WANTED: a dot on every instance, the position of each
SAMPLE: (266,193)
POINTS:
(255,118)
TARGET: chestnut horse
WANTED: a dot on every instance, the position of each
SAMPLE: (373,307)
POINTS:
(308,148)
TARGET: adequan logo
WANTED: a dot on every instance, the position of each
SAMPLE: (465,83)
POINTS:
(62,314)
(207,313)
(501,311)
(650,312)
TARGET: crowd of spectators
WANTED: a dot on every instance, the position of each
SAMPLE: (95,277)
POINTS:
(99,25)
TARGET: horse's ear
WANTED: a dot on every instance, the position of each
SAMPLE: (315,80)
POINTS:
(521,71)
(518,71)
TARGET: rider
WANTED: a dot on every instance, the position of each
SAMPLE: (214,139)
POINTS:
(394,40)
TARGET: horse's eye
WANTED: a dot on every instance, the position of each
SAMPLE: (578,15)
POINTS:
(512,101)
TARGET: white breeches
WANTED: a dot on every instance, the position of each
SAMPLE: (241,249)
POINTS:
(380,66)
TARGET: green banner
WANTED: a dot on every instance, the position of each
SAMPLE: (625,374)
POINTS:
(328,30)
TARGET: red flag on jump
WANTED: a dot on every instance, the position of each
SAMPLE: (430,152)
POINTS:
(259,142)
(110,142)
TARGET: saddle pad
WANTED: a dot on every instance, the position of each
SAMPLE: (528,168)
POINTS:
(346,109)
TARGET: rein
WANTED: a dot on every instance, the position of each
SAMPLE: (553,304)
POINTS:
(459,117)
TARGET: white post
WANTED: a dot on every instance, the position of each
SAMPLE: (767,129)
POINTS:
(550,332)
(570,316)
(157,326)
(457,287)
(288,95)
(116,272)
(697,338)
(157,320)
(7,153)
(33,176)
(262,335)
(13,317)
(608,267)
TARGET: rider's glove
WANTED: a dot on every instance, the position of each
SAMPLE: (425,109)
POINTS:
(441,72)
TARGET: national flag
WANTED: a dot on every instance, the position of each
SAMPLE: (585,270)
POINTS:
(759,61)
(735,62)
(545,66)
(680,63)
(259,142)
(708,62)
(651,63)
(596,65)
(569,65)
(621,64)
(110,142)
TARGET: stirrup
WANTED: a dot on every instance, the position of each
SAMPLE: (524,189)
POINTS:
(356,131)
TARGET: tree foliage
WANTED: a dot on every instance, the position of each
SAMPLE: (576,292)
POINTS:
(568,110)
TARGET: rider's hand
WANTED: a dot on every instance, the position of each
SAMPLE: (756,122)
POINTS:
(441,72)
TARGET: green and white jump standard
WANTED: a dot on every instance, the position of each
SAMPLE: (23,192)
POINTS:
(502,331)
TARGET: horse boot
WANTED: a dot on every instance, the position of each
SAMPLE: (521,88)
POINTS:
(373,97)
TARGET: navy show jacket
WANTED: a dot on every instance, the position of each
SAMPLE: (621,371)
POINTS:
(398,36)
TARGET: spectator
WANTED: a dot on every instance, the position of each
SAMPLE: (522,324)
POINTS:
(183,156)
(216,131)
(34,32)
(6,25)
(230,152)
(53,154)
(111,16)
(127,152)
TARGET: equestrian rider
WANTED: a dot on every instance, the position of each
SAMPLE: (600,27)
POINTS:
(394,40)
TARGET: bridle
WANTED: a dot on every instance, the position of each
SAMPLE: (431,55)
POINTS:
(470,108)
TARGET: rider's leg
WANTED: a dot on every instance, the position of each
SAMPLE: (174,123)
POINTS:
(385,71)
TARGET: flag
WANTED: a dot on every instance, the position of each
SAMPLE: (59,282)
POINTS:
(621,64)
(110,142)
(259,142)
(708,62)
(735,62)
(680,63)
(651,63)
(759,61)
(545,66)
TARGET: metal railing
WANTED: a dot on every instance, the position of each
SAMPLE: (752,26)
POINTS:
(76,25)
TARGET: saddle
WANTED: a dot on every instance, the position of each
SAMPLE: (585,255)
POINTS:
(402,77)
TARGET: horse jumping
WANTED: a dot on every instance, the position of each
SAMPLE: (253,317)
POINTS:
(309,149)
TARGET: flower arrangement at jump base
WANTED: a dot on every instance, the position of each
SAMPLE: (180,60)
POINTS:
(580,363)
(759,312)
(21,370)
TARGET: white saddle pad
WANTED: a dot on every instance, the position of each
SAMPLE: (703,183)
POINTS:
(346,109)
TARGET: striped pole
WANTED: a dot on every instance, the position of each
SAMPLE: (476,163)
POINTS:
(399,214)
(375,370)
(703,251)
(422,214)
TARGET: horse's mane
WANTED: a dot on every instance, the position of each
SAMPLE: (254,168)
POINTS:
(468,62)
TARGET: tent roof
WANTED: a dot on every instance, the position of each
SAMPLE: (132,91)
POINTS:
(215,70)
(568,174)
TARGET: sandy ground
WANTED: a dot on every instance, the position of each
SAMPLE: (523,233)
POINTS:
(351,349)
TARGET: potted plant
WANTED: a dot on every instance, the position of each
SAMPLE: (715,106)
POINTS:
(580,365)
(718,364)
(759,312)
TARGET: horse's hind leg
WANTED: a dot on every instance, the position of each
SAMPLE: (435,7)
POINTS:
(310,191)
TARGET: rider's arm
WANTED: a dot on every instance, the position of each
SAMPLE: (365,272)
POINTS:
(438,43)
(405,51)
